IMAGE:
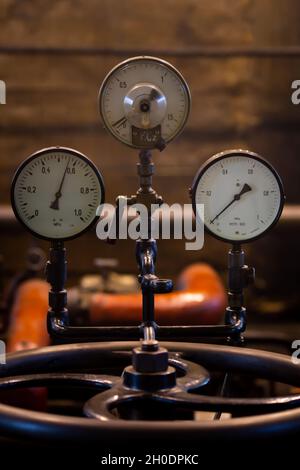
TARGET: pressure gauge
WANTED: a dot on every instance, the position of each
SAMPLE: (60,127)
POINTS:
(144,102)
(242,195)
(55,193)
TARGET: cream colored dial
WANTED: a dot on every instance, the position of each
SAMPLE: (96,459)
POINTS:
(56,193)
(144,102)
(242,195)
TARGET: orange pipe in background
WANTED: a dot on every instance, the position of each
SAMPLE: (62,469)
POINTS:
(27,326)
(202,300)
(28,330)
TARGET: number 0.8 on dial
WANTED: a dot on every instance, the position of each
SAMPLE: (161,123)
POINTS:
(242,195)
(56,192)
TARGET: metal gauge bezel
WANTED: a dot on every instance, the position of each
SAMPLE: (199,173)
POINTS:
(236,153)
(38,154)
(128,62)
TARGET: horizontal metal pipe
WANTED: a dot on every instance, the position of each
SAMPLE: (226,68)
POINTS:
(58,330)
(209,52)
(290,215)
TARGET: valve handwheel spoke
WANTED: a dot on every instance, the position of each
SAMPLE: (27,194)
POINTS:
(224,404)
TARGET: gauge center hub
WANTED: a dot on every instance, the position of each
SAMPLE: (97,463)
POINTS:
(145,105)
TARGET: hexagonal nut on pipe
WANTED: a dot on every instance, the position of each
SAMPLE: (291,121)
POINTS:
(150,361)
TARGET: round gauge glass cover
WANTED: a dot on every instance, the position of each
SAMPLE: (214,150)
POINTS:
(55,193)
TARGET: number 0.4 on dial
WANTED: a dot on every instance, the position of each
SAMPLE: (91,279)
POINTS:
(56,192)
(242,195)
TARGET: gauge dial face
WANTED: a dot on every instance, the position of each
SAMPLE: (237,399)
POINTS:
(144,101)
(55,193)
(242,196)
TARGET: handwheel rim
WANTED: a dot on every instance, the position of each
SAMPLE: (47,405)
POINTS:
(39,425)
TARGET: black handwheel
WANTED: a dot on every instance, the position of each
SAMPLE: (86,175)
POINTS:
(46,366)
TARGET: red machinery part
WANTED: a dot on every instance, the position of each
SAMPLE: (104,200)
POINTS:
(201,300)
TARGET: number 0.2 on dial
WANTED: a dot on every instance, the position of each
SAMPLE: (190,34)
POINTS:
(56,192)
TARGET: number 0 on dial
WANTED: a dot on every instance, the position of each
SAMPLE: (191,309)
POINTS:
(55,193)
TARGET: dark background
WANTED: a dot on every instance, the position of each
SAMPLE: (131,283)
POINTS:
(239,59)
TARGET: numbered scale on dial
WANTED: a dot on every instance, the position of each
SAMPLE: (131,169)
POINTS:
(242,195)
(144,102)
(56,192)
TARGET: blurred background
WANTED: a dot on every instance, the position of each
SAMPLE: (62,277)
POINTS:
(239,58)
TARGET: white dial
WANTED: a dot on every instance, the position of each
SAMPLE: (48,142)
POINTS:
(144,102)
(55,193)
(242,195)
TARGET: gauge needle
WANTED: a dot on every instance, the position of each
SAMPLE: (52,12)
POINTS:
(245,189)
(55,204)
(119,122)
(145,120)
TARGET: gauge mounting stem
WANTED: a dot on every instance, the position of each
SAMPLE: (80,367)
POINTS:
(239,276)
